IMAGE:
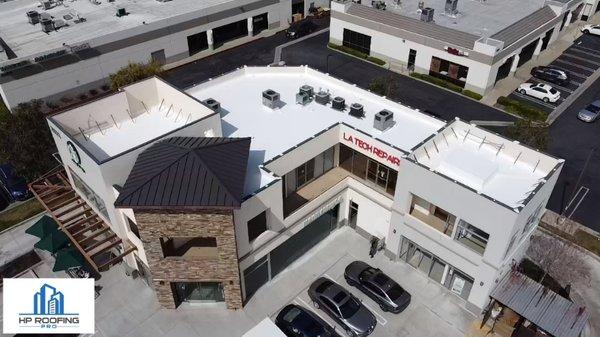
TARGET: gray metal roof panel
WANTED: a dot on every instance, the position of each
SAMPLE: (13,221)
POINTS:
(188,172)
(431,30)
(528,24)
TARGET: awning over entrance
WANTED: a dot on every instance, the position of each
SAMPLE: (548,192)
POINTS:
(86,230)
(541,306)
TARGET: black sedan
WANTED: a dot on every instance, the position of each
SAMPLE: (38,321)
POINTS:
(300,28)
(551,74)
(374,283)
(296,321)
(15,185)
(342,306)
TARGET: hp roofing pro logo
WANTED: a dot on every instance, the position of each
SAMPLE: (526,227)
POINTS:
(49,310)
(48,306)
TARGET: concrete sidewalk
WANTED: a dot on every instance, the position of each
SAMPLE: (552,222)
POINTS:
(506,86)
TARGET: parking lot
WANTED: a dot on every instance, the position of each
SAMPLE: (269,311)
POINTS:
(580,60)
(433,310)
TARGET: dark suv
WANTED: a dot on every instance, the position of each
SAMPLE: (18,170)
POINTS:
(551,74)
(15,185)
(300,28)
(342,306)
(374,283)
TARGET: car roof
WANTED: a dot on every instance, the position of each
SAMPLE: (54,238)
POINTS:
(336,293)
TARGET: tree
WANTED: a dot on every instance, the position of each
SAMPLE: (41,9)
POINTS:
(134,72)
(383,86)
(26,142)
(559,259)
(534,134)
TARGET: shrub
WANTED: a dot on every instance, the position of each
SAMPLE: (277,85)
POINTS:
(93,92)
(356,53)
(472,94)
(82,97)
(134,72)
(438,81)
(4,112)
(521,109)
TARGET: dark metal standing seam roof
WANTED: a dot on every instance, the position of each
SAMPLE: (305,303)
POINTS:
(541,306)
(431,30)
(526,25)
(188,172)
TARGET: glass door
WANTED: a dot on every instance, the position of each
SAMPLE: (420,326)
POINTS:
(200,292)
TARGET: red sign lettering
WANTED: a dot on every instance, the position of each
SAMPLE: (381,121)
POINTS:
(372,149)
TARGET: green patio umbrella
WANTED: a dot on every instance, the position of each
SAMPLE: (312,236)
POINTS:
(53,242)
(68,258)
(41,228)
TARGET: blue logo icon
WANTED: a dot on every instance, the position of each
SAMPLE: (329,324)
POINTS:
(48,301)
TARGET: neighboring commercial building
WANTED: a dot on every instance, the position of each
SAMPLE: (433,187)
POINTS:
(473,44)
(56,49)
(218,198)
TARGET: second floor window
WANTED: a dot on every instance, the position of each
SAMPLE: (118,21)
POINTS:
(471,237)
(257,226)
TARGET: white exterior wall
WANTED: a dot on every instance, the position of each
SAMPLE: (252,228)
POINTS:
(69,80)
(101,178)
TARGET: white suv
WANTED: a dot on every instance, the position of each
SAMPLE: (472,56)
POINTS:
(540,91)
(591,29)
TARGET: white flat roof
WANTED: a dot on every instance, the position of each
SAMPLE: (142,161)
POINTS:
(275,131)
(26,39)
(137,114)
(489,164)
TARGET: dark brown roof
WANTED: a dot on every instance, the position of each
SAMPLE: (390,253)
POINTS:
(188,172)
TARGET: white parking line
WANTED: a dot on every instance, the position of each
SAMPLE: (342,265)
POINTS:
(574,65)
(585,191)
(579,50)
(581,58)
(383,321)
(592,51)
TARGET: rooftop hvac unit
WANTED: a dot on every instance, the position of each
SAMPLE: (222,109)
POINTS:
(322,97)
(121,11)
(308,90)
(34,17)
(302,98)
(338,103)
(270,98)
(451,6)
(47,25)
(46,4)
(383,120)
(213,104)
(427,14)
(357,110)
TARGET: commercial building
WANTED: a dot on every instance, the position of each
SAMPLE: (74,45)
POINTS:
(473,44)
(214,192)
(57,50)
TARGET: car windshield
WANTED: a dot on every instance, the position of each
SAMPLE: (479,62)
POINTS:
(553,91)
(349,308)
(395,292)
(305,323)
(593,108)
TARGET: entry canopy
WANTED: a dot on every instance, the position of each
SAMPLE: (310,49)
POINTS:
(68,258)
(43,227)
(53,242)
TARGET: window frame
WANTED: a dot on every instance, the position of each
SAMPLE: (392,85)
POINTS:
(253,235)
(463,227)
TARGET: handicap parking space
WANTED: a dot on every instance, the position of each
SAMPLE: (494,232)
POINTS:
(580,61)
(432,311)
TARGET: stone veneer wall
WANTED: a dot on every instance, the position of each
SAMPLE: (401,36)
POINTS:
(154,225)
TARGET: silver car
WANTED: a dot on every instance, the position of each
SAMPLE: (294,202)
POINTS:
(590,113)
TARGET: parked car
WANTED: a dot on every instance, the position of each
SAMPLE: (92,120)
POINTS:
(591,29)
(295,321)
(590,113)
(4,200)
(342,306)
(377,285)
(540,91)
(300,28)
(551,74)
(15,185)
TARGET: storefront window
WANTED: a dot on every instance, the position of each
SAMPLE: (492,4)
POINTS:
(450,71)
(89,194)
(199,292)
(357,41)
(368,169)
(471,236)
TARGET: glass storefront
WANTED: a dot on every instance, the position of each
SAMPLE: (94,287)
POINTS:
(199,292)
(436,269)
(285,254)
(89,194)
(380,176)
